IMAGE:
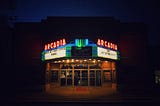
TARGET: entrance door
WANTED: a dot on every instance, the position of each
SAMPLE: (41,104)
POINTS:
(98,78)
(81,77)
(95,78)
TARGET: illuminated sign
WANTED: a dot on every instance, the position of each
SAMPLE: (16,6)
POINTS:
(56,53)
(80,48)
(55,44)
(107,53)
(81,42)
(84,51)
(107,44)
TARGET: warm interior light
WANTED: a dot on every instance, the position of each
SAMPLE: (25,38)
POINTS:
(94,61)
(67,61)
(55,61)
(72,60)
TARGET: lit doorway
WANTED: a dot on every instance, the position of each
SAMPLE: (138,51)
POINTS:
(80,75)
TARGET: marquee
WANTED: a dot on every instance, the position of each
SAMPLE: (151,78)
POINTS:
(80,48)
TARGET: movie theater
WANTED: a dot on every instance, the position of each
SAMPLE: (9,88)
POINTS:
(80,62)
(92,54)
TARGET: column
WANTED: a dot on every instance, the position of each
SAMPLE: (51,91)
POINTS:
(72,74)
(88,74)
(47,85)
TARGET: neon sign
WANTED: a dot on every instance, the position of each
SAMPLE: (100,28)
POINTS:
(55,44)
(81,42)
(107,44)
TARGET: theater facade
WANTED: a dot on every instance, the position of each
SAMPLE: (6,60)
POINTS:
(80,62)
(95,54)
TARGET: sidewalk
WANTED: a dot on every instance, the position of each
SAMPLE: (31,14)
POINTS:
(80,94)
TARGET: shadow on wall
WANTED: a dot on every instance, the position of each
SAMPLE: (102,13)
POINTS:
(29,79)
(132,80)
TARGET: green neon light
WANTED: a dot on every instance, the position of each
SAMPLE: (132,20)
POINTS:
(118,54)
(68,51)
(94,51)
(68,54)
(68,48)
(81,42)
(42,56)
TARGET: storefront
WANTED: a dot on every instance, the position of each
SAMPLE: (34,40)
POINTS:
(80,63)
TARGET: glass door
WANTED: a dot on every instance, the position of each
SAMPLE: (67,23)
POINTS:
(98,77)
(84,78)
(69,77)
(92,78)
(81,77)
(95,77)
(76,77)
(63,77)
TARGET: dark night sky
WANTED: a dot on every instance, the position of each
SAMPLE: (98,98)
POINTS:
(124,10)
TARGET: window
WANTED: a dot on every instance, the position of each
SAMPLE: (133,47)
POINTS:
(107,76)
(54,76)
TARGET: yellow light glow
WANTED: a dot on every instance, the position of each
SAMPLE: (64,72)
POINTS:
(85,60)
(55,61)
(67,61)
(72,60)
